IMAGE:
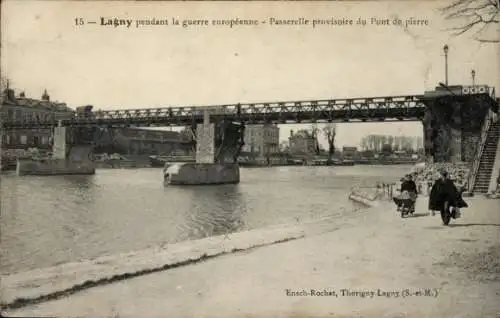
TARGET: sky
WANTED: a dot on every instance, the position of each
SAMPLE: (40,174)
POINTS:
(160,66)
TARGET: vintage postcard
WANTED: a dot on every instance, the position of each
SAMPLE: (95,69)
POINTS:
(250,158)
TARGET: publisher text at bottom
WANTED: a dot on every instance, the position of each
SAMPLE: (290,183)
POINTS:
(346,292)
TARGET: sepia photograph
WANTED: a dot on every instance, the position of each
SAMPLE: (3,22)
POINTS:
(250,158)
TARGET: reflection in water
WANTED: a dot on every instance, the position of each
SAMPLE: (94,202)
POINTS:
(217,210)
(52,220)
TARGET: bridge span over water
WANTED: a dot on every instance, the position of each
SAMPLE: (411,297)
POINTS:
(368,109)
(455,121)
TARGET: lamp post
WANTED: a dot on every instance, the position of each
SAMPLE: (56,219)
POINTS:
(473,74)
(445,49)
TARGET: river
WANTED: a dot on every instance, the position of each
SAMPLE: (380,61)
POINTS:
(48,221)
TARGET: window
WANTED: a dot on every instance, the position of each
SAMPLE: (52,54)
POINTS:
(23,139)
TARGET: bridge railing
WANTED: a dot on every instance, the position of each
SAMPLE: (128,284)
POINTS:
(403,107)
(331,110)
(479,152)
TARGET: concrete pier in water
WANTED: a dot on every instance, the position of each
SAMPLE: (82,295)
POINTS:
(67,159)
(211,166)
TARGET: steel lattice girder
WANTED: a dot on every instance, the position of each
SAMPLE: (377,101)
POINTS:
(363,109)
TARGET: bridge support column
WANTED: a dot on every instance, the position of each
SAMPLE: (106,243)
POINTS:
(59,148)
(442,131)
(205,141)
(452,127)
(70,156)
(211,166)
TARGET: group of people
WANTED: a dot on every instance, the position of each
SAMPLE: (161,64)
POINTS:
(443,192)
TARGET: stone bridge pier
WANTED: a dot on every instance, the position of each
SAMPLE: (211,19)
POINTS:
(72,149)
(75,144)
(219,142)
(452,124)
(218,146)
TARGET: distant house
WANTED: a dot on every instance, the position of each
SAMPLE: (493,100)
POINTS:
(349,152)
(261,140)
(301,143)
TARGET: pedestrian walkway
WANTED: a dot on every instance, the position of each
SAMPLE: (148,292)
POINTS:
(385,266)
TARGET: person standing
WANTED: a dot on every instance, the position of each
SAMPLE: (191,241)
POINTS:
(445,194)
(409,186)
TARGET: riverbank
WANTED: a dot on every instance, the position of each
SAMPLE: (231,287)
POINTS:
(456,268)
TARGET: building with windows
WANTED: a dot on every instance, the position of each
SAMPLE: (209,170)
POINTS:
(20,108)
(301,143)
(125,140)
(261,140)
(140,141)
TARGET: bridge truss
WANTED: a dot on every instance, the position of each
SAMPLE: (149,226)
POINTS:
(394,108)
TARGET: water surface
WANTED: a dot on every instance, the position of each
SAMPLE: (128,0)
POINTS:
(52,220)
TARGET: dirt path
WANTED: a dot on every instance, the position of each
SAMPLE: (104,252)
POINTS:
(366,270)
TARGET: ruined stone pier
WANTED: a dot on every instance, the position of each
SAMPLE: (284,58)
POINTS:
(72,154)
(217,149)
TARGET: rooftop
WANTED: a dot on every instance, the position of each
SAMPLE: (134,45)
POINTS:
(9,98)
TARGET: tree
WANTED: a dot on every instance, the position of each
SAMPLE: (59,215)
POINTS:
(379,139)
(330,130)
(284,146)
(373,142)
(4,83)
(478,16)
(390,140)
(314,134)
(364,143)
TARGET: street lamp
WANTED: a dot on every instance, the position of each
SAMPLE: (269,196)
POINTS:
(473,73)
(445,49)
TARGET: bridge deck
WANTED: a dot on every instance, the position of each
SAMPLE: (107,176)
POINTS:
(399,108)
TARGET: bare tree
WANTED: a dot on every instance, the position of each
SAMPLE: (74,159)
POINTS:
(314,134)
(330,130)
(390,141)
(4,83)
(366,143)
(478,16)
